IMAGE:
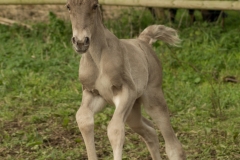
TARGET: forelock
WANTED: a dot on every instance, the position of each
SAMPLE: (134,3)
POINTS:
(76,2)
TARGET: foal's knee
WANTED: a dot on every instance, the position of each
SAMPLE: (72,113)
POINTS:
(115,131)
(85,120)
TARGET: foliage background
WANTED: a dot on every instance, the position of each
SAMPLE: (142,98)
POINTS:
(40,92)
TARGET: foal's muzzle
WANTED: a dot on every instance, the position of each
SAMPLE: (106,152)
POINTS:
(81,46)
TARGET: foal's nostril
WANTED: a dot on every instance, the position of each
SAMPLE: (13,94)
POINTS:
(86,41)
(73,40)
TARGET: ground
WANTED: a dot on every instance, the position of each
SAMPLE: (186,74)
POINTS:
(40,92)
(39,13)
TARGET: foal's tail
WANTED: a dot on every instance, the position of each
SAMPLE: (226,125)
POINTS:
(160,32)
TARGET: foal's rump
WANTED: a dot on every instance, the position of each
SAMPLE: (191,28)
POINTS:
(135,62)
(150,35)
(141,62)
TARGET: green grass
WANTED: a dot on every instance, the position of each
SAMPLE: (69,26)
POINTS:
(40,92)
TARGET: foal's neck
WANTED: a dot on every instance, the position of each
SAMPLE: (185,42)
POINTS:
(99,42)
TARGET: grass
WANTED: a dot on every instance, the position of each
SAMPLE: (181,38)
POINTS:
(40,92)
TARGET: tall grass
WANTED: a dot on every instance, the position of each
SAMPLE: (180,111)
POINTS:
(40,92)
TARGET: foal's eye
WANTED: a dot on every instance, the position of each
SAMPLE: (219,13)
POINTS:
(95,6)
(68,7)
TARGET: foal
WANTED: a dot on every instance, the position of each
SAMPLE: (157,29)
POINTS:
(124,73)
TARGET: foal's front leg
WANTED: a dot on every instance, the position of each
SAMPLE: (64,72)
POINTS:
(123,99)
(85,118)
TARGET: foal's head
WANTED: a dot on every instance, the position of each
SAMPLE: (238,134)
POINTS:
(84,16)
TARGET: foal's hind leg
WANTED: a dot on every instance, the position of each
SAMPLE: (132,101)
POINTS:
(156,107)
(143,127)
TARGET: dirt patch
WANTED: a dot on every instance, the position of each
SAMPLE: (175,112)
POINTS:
(32,13)
(29,137)
(39,13)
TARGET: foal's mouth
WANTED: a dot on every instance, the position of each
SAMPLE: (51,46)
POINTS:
(81,50)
